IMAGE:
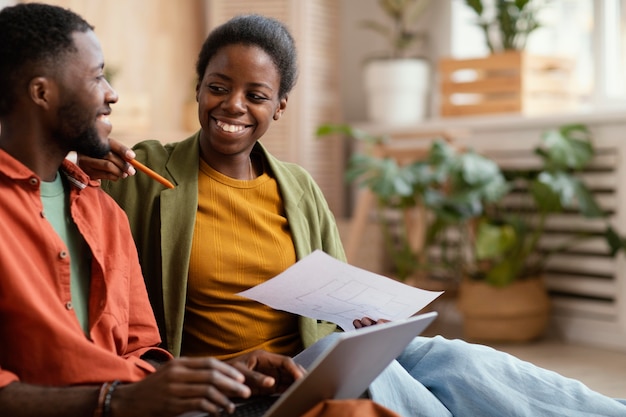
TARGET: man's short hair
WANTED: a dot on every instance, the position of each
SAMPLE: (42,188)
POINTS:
(33,37)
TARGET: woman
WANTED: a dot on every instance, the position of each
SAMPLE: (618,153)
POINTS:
(242,89)
(238,217)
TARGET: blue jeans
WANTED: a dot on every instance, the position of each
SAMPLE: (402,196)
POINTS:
(440,377)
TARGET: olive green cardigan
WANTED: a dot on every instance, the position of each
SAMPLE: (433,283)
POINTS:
(162,221)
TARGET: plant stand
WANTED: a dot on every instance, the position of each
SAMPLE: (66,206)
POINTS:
(508,82)
(516,313)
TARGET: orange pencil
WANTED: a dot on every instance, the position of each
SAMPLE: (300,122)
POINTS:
(141,167)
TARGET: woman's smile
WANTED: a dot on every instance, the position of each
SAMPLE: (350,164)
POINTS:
(231,128)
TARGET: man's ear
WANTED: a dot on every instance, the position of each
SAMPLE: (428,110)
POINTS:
(41,91)
(281,107)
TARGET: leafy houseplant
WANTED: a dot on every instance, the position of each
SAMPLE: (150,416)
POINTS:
(503,297)
(510,24)
(397,80)
(496,258)
(507,242)
(455,186)
(465,191)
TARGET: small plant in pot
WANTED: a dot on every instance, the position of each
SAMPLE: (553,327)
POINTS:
(509,24)
(508,79)
(396,80)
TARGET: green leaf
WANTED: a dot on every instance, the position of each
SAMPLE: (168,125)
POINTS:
(477,169)
(587,203)
(393,8)
(441,153)
(494,241)
(495,189)
(546,199)
(476,5)
(347,130)
(561,184)
(615,242)
(503,273)
(567,148)
(418,9)
(571,192)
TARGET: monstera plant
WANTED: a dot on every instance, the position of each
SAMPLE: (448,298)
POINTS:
(503,296)
(495,255)
(506,247)
(454,186)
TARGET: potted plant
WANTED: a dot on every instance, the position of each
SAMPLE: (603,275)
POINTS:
(494,255)
(510,24)
(509,79)
(507,262)
(396,80)
(454,186)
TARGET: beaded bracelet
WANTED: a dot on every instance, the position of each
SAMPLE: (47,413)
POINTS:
(101,396)
(106,406)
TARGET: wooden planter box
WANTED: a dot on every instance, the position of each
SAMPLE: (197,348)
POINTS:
(509,82)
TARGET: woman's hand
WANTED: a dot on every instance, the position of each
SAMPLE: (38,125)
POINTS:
(366,321)
(113,166)
(267,373)
(182,385)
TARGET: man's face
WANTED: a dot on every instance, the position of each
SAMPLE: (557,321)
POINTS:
(84,100)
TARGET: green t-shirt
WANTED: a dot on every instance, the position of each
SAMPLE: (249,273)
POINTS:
(55,200)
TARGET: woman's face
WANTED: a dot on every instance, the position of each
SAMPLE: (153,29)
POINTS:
(238,99)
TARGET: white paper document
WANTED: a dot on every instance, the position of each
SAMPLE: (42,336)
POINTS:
(324,288)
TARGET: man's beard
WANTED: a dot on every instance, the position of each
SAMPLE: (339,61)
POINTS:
(78,132)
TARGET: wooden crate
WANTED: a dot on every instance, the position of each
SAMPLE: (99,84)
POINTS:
(509,82)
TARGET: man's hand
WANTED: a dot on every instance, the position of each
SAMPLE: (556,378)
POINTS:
(112,167)
(182,385)
(366,321)
(267,373)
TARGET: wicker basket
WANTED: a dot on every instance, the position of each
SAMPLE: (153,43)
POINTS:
(515,313)
(509,82)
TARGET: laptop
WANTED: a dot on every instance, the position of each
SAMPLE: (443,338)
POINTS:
(345,368)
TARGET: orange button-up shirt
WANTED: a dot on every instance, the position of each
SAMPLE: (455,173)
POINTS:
(41,340)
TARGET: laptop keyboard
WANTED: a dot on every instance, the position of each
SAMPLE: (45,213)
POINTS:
(255,407)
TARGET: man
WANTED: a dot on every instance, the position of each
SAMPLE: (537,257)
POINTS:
(74,315)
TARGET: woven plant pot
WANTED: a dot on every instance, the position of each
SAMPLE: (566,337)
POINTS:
(515,313)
